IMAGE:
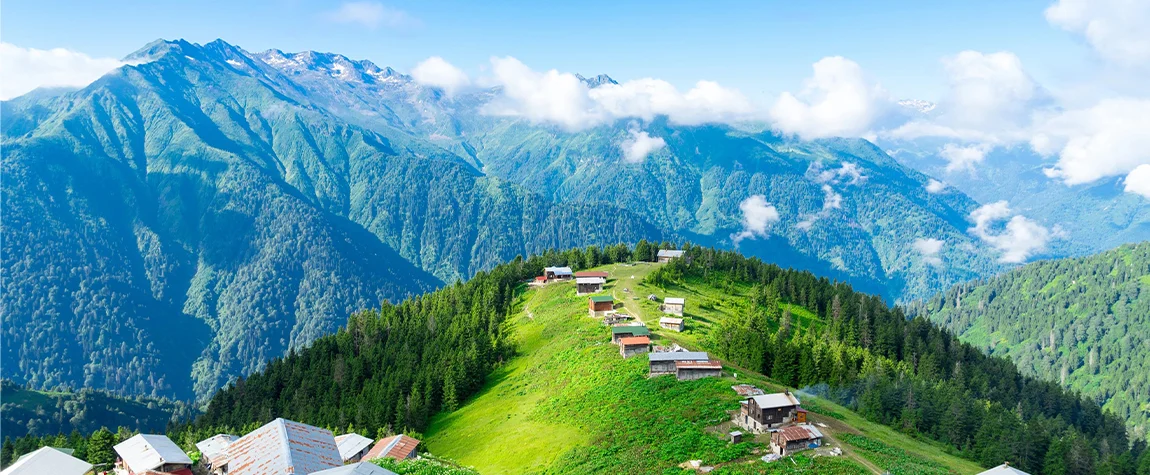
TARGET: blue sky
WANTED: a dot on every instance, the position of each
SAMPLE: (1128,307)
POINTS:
(760,48)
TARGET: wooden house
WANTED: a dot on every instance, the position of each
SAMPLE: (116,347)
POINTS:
(589,285)
(145,453)
(612,318)
(673,324)
(663,362)
(212,447)
(634,345)
(618,333)
(692,370)
(760,413)
(280,446)
(599,305)
(796,438)
(674,305)
(557,273)
(668,255)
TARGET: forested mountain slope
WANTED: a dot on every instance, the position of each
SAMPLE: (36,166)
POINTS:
(799,330)
(47,413)
(182,221)
(1084,323)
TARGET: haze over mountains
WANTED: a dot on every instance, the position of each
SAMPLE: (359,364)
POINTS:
(183,220)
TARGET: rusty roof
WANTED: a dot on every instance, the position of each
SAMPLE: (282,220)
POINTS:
(634,340)
(592,273)
(712,364)
(799,432)
(282,446)
(397,447)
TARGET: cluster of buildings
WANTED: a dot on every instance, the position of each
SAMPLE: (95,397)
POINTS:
(279,447)
(777,414)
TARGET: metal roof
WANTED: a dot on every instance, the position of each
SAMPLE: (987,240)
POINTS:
(351,444)
(214,445)
(1004,469)
(590,280)
(602,298)
(634,340)
(47,460)
(144,452)
(674,300)
(397,447)
(635,330)
(800,432)
(557,270)
(670,253)
(361,468)
(773,400)
(678,356)
(671,321)
(283,446)
(709,364)
(592,273)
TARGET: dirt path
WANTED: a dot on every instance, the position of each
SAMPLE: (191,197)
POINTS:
(835,426)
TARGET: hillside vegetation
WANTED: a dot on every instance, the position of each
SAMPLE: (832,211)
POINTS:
(1083,323)
(24,411)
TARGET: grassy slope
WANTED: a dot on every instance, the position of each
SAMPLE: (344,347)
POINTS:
(569,404)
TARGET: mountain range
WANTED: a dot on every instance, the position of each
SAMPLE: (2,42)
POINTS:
(184,219)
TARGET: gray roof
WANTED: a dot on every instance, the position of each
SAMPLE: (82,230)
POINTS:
(144,452)
(670,253)
(283,446)
(214,445)
(678,356)
(361,468)
(590,280)
(351,444)
(674,300)
(47,460)
(557,270)
(1004,469)
(773,400)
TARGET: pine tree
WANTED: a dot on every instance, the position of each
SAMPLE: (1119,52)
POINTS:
(100,451)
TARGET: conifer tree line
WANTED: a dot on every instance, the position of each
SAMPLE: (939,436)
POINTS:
(906,373)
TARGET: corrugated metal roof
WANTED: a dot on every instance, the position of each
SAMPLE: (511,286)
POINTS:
(214,445)
(634,330)
(1004,469)
(670,253)
(557,270)
(699,364)
(773,400)
(144,452)
(283,446)
(799,432)
(675,300)
(592,273)
(602,298)
(634,340)
(679,356)
(361,468)
(351,444)
(671,321)
(397,447)
(47,460)
(590,280)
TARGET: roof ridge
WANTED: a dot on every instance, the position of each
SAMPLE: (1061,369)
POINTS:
(282,424)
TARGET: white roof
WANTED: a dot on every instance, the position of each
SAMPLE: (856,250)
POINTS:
(678,356)
(145,452)
(214,445)
(670,253)
(671,321)
(351,444)
(1004,469)
(361,468)
(557,270)
(769,401)
(674,300)
(812,429)
(47,460)
(590,280)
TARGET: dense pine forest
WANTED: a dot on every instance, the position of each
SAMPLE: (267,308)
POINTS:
(1083,322)
(906,373)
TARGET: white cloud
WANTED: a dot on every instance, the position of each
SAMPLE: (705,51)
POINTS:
(837,100)
(437,72)
(25,69)
(1138,181)
(934,186)
(1115,28)
(1107,139)
(758,216)
(831,201)
(929,249)
(963,158)
(371,15)
(562,99)
(639,145)
(847,172)
(1017,240)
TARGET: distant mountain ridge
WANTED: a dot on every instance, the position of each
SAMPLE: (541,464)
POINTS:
(249,202)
